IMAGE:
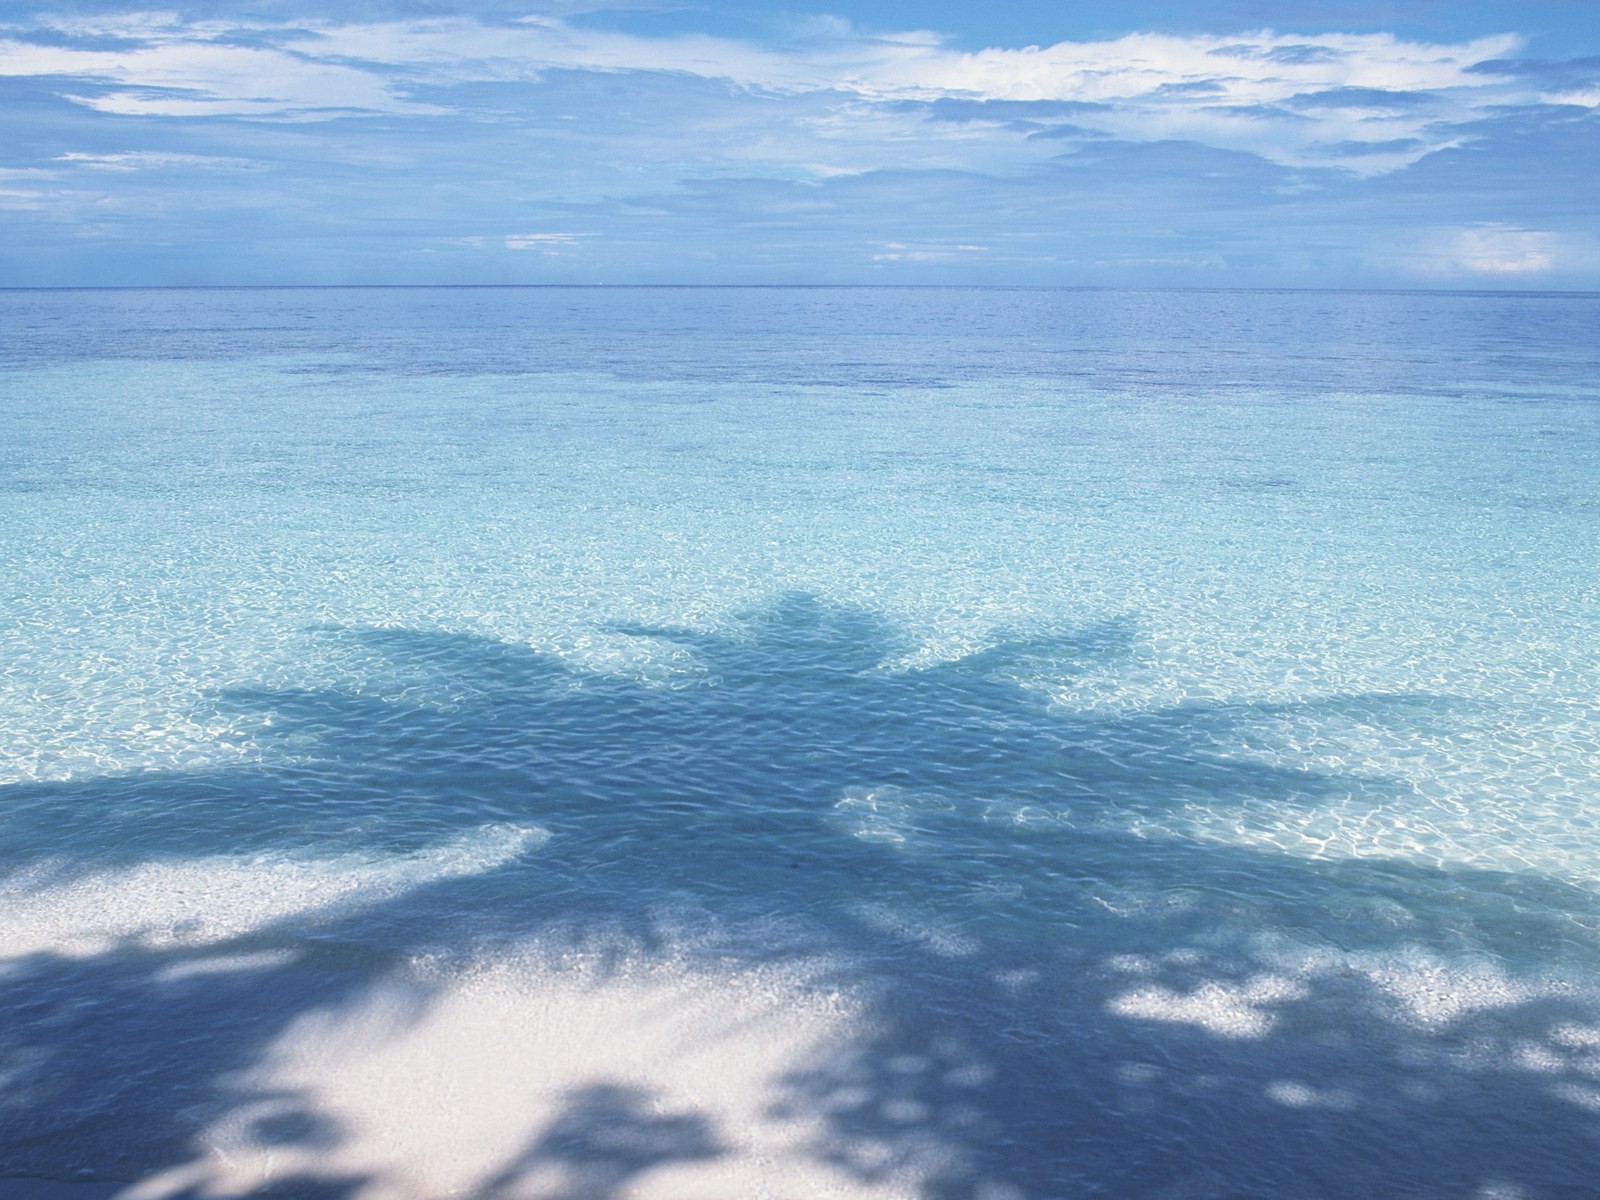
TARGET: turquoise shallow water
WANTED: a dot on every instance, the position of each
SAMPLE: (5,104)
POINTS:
(932,743)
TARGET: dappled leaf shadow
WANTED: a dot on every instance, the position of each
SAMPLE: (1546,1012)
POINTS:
(1066,995)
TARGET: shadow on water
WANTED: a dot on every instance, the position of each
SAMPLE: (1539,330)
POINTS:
(606,1137)
(1067,995)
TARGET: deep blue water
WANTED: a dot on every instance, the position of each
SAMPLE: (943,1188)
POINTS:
(957,744)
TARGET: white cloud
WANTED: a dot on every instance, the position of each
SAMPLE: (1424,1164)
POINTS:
(152,160)
(550,243)
(1220,91)
(182,73)
(1369,103)
(903,252)
(1583,97)
(1248,69)
(1505,250)
(23,200)
(1491,250)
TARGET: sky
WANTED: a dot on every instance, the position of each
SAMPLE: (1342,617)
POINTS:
(1242,143)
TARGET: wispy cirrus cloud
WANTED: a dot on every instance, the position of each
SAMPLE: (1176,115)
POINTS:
(923,252)
(155,160)
(548,243)
(165,68)
(1294,100)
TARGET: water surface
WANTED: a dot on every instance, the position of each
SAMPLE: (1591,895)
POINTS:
(979,744)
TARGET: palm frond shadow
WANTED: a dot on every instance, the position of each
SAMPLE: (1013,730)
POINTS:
(1068,997)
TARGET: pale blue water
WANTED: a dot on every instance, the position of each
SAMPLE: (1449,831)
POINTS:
(973,744)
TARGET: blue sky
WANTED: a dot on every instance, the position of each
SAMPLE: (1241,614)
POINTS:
(1324,143)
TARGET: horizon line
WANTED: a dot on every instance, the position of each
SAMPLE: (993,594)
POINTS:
(1017,287)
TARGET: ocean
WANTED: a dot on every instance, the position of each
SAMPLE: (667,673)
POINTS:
(950,744)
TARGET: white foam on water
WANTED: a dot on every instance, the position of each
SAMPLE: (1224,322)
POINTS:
(542,1074)
(194,902)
